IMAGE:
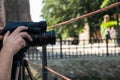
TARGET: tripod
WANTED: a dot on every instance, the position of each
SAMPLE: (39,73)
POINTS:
(19,67)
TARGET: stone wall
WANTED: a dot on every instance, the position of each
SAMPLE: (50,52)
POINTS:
(85,36)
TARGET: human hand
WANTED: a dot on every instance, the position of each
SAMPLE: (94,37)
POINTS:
(14,42)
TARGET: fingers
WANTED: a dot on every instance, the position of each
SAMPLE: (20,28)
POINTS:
(17,34)
(22,34)
(19,29)
(25,35)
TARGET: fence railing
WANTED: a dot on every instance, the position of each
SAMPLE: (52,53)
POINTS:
(69,49)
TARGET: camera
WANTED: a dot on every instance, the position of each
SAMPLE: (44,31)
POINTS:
(37,31)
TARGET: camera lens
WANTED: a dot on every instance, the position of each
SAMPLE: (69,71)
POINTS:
(43,38)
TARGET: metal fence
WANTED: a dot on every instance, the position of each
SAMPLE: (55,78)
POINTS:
(68,49)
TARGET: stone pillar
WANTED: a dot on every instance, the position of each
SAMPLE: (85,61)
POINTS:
(85,36)
(2,13)
(17,10)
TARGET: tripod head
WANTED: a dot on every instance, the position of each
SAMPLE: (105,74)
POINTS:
(20,55)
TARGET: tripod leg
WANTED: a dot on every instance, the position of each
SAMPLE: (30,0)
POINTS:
(28,69)
(18,70)
(22,69)
(17,73)
(15,70)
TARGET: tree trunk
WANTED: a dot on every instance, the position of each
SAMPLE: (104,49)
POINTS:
(17,10)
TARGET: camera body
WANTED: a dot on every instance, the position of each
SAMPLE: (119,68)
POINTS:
(37,31)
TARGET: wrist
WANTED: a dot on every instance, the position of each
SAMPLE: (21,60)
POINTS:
(7,52)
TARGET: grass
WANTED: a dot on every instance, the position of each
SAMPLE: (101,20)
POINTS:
(85,68)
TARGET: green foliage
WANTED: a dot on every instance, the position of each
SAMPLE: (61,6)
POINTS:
(107,2)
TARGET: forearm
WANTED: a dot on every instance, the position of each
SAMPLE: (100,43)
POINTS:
(5,64)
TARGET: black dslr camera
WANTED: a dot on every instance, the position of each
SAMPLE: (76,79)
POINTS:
(37,31)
